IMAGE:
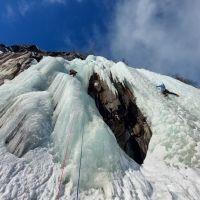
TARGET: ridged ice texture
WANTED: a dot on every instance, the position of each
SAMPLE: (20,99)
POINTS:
(56,123)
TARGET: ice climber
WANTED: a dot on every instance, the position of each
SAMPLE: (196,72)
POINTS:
(164,91)
(72,72)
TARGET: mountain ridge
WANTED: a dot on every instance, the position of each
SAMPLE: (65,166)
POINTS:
(16,58)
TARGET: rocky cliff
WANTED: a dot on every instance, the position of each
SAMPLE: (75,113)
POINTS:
(122,115)
(16,58)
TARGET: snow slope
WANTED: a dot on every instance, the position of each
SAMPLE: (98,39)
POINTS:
(72,154)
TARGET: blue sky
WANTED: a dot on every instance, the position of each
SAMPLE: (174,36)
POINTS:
(53,24)
(162,36)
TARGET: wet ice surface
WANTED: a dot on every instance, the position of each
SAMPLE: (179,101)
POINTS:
(55,122)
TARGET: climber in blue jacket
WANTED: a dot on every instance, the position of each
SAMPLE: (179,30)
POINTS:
(164,91)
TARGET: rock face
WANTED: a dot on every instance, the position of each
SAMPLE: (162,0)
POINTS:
(122,115)
(16,58)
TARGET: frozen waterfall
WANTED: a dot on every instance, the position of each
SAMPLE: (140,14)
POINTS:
(66,151)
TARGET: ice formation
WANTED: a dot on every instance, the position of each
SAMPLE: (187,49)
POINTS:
(66,151)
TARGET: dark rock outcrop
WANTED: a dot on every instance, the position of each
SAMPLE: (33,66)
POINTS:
(123,116)
(17,58)
(72,72)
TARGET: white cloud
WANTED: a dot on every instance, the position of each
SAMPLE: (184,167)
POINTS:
(162,35)
(24,7)
(9,12)
(69,43)
(61,1)
(55,1)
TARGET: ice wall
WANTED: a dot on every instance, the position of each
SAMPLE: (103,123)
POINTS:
(47,117)
(47,108)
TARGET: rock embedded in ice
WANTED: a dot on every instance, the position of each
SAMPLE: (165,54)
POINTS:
(122,115)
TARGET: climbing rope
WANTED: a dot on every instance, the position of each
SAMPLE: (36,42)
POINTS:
(64,163)
(61,176)
(79,171)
